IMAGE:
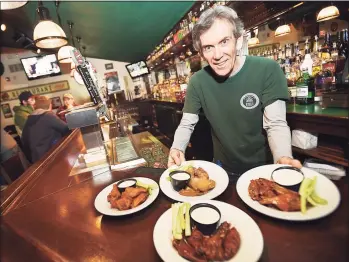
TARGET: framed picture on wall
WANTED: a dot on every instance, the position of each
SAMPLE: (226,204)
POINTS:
(109,66)
(6,110)
(56,102)
(112,81)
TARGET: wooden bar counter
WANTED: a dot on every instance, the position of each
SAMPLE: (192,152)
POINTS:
(49,216)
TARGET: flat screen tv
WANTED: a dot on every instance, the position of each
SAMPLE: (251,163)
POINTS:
(41,66)
(137,69)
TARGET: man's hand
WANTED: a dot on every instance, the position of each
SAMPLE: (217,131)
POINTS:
(289,161)
(176,157)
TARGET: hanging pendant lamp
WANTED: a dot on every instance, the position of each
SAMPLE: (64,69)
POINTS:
(64,55)
(8,5)
(282,30)
(327,13)
(47,34)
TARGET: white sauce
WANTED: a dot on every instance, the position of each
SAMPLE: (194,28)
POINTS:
(205,215)
(126,183)
(181,176)
(287,177)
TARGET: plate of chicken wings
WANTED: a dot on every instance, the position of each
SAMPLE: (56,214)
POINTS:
(214,247)
(258,190)
(207,181)
(110,201)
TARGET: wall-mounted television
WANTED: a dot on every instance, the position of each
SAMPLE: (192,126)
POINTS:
(41,66)
(137,69)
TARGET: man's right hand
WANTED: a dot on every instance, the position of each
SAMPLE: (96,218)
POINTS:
(176,157)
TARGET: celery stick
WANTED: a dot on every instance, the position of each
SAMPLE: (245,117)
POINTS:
(140,184)
(311,201)
(304,193)
(187,221)
(181,213)
(178,222)
(318,199)
(174,219)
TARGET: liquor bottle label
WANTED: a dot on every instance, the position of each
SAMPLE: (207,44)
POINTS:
(331,66)
(316,69)
(302,91)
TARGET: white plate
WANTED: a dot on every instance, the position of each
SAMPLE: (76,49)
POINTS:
(251,239)
(215,173)
(103,206)
(324,188)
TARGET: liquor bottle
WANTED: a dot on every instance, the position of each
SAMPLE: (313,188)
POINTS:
(344,49)
(326,48)
(341,58)
(305,88)
(328,63)
(316,59)
(307,63)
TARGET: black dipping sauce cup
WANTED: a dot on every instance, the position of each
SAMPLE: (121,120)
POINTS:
(205,228)
(294,187)
(121,188)
(179,184)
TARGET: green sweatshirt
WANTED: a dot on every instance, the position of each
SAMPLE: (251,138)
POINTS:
(21,115)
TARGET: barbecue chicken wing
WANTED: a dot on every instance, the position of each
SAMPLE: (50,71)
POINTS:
(187,251)
(231,243)
(285,202)
(267,192)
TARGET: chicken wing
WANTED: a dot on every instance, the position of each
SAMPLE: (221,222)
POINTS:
(201,173)
(213,246)
(139,199)
(134,191)
(123,203)
(195,240)
(114,194)
(231,243)
(190,192)
(187,251)
(201,184)
(284,202)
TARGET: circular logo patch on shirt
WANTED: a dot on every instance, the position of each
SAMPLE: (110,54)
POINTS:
(249,101)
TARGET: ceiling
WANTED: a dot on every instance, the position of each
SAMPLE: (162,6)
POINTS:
(121,31)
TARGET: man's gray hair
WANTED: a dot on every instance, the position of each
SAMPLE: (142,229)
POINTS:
(207,19)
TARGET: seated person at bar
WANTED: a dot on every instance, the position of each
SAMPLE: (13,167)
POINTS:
(240,96)
(27,101)
(68,101)
(42,130)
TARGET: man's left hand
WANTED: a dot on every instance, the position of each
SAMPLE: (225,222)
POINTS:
(289,161)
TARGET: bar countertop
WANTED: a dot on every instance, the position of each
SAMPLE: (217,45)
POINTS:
(313,109)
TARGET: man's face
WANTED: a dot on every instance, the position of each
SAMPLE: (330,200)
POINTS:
(219,47)
(29,102)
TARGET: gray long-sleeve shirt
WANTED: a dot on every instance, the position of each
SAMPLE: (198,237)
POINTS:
(274,123)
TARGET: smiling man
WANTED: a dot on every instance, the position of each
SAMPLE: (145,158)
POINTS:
(243,97)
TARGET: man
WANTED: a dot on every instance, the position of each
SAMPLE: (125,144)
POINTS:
(42,130)
(240,97)
(22,111)
(69,103)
